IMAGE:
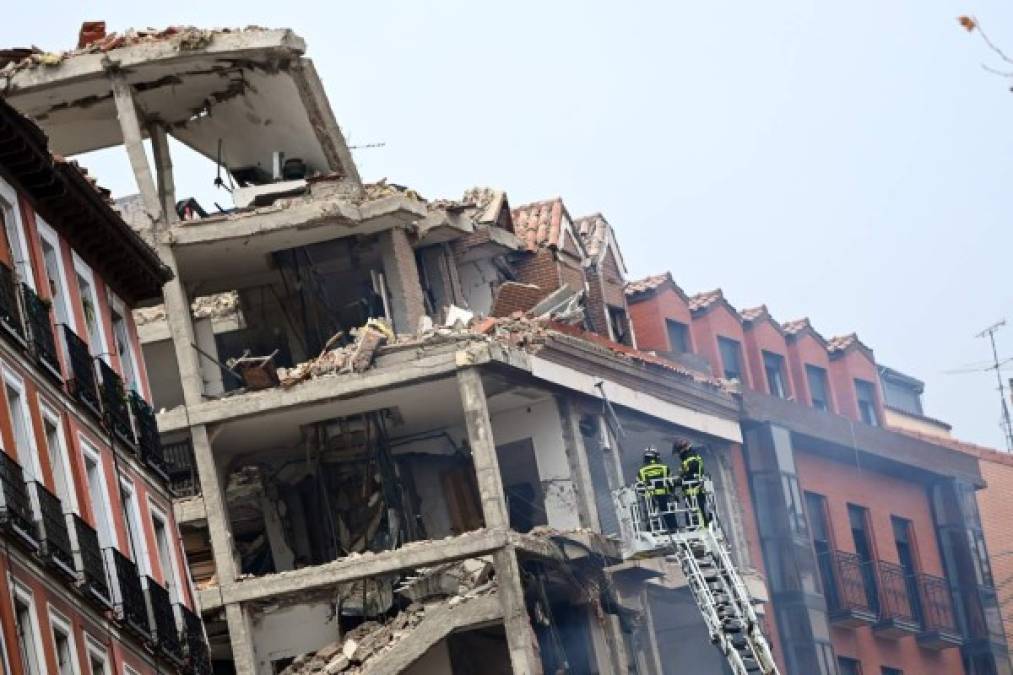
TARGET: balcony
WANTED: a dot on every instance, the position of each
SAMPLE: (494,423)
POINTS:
(127,594)
(91,571)
(148,441)
(850,589)
(10,308)
(195,645)
(114,404)
(15,505)
(900,606)
(82,383)
(181,468)
(163,621)
(939,622)
(40,332)
(54,539)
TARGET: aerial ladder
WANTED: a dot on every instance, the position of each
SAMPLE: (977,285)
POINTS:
(674,525)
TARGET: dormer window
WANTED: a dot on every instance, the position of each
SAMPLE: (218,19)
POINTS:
(773,365)
(866,394)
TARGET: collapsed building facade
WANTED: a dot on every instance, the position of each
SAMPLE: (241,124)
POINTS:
(397,423)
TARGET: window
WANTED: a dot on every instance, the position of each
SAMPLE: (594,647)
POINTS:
(903,537)
(619,325)
(858,518)
(63,641)
(135,535)
(56,277)
(773,366)
(678,337)
(124,345)
(98,659)
(90,306)
(816,508)
(891,671)
(10,214)
(866,393)
(731,358)
(26,623)
(166,558)
(98,494)
(59,459)
(21,426)
(846,666)
(817,378)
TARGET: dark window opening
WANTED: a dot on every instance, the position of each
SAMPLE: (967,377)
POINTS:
(731,358)
(818,389)
(866,393)
(906,555)
(678,337)
(816,506)
(848,666)
(885,670)
(773,366)
(858,517)
(620,325)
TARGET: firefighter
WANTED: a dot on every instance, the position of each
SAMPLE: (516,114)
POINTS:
(655,476)
(692,476)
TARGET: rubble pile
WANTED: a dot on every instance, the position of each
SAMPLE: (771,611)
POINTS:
(205,307)
(360,647)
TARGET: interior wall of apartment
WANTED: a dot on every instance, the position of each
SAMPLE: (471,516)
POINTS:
(273,636)
(478,280)
(436,661)
(680,633)
(163,374)
(541,423)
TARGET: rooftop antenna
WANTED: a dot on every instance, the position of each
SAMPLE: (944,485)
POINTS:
(367,145)
(1007,426)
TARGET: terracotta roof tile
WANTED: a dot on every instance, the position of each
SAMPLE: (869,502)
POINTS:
(754,313)
(648,283)
(797,326)
(538,224)
(486,201)
(702,301)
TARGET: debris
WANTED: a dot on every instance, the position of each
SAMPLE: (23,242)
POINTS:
(458,317)
(258,372)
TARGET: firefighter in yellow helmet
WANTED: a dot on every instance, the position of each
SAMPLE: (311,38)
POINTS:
(692,475)
(655,475)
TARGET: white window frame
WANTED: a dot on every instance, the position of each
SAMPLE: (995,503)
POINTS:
(176,589)
(118,306)
(58,621)
(90,453)
(129,670)
(82,268)
(133,523)
(9,196)
(51,415)
(21,593)
(48,235)
(94,648)
(13,380)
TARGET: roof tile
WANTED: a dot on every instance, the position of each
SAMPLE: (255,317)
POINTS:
(538,224)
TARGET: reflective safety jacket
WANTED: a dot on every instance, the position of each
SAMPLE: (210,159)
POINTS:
(692,470)
(651,472)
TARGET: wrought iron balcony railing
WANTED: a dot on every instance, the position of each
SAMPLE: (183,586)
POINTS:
(114,403)
(81,383)
(939,621)
(127,594)
(148,441)
(198,656)
(51,526)
(15,505)
(10,308)
(851,601)
(40,331)
(91,571)
(181,468)
(162,620)
(900,608)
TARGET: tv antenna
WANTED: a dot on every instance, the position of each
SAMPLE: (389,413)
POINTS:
(1007,426)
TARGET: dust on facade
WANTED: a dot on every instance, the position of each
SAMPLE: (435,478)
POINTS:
(394,426)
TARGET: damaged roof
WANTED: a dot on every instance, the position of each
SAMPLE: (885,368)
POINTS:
(544,224)
(598,237)
(73,203)
(240,94)
(641,288)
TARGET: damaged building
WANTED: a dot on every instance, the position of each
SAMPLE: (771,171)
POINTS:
(394,425)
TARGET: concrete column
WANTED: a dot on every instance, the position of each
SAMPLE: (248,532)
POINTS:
(521,641)
(214,504)
(133,142)
(483,449)
(576,457)
(402,277)
(164,179)
(244,655)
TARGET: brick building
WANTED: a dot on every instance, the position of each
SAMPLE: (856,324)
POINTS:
(92,579)
(871,541)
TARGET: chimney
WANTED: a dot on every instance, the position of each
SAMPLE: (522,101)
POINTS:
(91,31)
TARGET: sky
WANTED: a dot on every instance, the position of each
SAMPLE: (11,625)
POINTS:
(849,162)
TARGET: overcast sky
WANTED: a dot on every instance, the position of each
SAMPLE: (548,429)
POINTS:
(848,162)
